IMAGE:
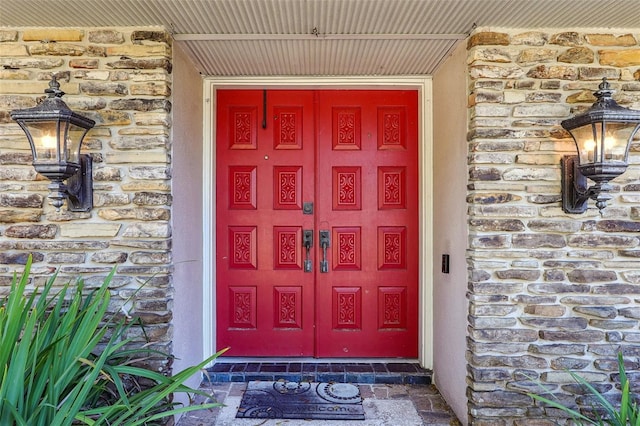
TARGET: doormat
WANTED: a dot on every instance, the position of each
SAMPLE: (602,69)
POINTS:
(304,400)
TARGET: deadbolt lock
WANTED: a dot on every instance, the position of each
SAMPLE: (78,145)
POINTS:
(307,207)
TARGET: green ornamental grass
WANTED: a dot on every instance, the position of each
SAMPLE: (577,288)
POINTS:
(64,360)
(604,412)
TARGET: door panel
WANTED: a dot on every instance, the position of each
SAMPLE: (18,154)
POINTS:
(353,154)
(367,187)
(264,173)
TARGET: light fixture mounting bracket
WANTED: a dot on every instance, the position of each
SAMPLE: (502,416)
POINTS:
(575,192)
(80,186)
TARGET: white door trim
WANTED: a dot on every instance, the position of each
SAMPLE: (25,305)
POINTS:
(425,153)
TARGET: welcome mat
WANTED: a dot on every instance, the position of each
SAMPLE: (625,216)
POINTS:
(304,400)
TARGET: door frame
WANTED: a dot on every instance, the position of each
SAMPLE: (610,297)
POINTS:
(425,179)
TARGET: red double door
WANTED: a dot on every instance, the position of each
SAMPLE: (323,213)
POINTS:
(317,223)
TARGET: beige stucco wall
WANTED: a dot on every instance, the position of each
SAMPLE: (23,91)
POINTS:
(450,229)
(187,212)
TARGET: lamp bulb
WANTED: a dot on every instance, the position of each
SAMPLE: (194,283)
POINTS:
(48,142)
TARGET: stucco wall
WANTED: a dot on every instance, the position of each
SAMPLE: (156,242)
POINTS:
(121,78)
(450,229)
(548,291)
(187,182)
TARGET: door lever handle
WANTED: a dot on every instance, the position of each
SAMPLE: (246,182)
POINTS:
(325,243)
(307,242)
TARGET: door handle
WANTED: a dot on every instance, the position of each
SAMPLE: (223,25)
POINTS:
(307,242)
(325,243)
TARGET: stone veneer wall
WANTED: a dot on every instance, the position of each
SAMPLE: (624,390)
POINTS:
(548,291)
(121,78)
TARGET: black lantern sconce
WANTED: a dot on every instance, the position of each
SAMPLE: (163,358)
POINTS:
(603,135)
(55,134)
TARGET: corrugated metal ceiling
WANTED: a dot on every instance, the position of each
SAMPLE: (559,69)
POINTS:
(320,37)
(322,57)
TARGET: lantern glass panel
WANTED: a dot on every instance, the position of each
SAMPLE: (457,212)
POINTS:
(615,141)
(74,137)
(44,138)
(602,142)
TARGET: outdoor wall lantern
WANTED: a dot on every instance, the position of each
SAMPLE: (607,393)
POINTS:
(603,135)
(55,134)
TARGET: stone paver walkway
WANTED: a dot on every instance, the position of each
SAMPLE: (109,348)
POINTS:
(385,405)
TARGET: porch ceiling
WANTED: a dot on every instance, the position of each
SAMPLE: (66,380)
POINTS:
(320,37)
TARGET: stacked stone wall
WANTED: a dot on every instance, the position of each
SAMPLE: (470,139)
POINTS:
(121,78)
(548,291)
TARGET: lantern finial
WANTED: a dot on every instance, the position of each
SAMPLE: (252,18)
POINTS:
(54,88)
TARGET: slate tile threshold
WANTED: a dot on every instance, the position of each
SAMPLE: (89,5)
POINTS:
(408,373)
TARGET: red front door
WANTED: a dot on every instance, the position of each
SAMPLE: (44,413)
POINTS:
(335,170)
